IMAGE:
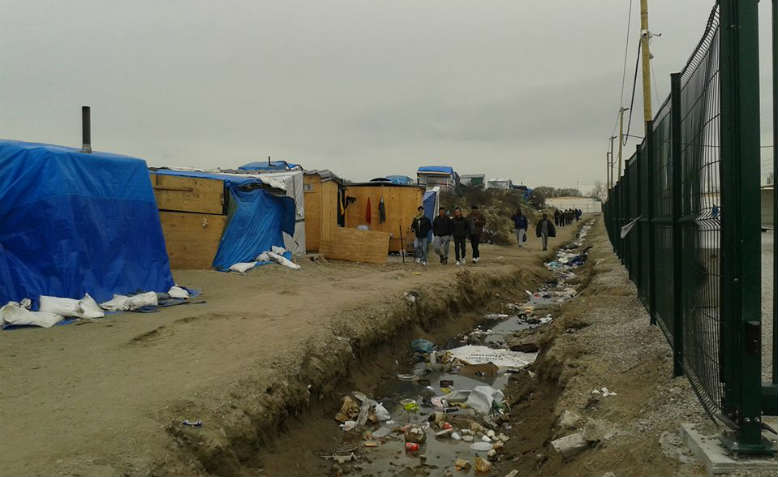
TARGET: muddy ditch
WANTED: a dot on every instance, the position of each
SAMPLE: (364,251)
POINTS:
(286,426)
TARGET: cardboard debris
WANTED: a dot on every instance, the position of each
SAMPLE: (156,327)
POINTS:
(479,370)
(471,354)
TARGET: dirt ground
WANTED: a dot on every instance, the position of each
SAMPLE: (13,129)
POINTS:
(108,397)
(604,339)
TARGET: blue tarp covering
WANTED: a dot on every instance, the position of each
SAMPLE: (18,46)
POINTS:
(264,166)
(401,180)
(441,169)
(73,223)
(428,202)
(256,217)
(256,221)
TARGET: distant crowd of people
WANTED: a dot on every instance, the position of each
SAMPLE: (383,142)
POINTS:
(566,217)
(461,228)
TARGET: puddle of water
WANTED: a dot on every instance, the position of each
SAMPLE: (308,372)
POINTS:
(390,458)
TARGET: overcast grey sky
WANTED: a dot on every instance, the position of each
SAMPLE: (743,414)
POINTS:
(526,89)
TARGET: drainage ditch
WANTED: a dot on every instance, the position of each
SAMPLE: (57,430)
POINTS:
(431,410)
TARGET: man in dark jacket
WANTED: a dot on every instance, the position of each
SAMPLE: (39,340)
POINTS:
(460,230)
(421,226)
(520,225)
(544,230)
(441,231)
(477,222)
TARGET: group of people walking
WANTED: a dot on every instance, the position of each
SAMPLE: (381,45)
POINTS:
(444,229)
(566,217)
(461,228)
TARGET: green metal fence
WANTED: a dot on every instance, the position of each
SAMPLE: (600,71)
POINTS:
(685,220)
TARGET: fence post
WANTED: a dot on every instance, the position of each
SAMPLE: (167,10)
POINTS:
(637,241)
(740,223)
(650,150)
(675,163)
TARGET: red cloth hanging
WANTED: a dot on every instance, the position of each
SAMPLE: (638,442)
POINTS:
(367,212)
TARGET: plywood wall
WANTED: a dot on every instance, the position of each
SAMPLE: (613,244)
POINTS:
(354,245)
(401,203)
(191,239)
(188,194)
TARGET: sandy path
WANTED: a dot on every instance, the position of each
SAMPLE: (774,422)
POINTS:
(83,398)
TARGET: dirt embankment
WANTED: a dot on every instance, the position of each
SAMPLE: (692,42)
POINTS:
(602,339)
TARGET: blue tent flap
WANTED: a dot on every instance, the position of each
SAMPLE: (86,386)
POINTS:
(74,223)
(268,166)
(256,221)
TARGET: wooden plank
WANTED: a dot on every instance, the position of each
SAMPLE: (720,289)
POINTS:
(192,240)
(329,209)
(355,245)
(188,194)
(313,215)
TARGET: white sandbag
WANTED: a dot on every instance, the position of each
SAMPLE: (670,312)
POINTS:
(117,303)
(89,308)
(142,299)
(177,292)
(60,306)
(263,257)
(15,314)
(278,250)
(283,261)
(243,267)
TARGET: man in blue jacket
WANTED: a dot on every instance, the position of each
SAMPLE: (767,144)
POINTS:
(520,224)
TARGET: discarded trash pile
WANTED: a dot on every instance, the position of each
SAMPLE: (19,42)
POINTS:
(54,310)
(567,257)
(446,413)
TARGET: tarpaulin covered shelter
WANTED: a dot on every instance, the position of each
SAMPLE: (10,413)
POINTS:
(270,166)
(247,218)
(74,223)
(437,176)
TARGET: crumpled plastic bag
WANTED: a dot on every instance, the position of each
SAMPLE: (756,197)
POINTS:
(177,292)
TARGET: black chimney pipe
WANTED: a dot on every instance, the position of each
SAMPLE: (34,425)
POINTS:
(86,130)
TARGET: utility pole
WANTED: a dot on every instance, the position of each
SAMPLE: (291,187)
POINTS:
(621,138)
(645,35)
(610,165)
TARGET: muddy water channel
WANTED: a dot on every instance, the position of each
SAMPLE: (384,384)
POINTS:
(444,412)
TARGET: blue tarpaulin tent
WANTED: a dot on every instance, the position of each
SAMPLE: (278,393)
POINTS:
(256,218)
(74,223)
(269,166)
(401,180)
(441,169)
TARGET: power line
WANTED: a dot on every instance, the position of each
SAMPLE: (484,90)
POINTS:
(624,67)
(634,87)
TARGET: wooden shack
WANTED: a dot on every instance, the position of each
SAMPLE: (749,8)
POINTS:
(322,194)
(400,204)
(192,213)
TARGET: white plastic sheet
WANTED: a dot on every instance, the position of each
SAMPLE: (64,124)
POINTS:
(503,358)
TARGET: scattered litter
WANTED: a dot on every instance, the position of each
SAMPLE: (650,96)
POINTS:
(411,447)
(381,413)
(422,346)
(407,377)
(410,405)
(341,459)
(188,423)
(482,465)
(481,446)
(462,465)
(349,410)
(348,425)
(370,444)
(479,370)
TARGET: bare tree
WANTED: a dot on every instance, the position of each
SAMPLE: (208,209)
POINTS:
(599,191)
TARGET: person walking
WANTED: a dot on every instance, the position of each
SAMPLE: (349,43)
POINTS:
(545,229)
(441,230)
(477,222)
(421,226)
(520,224)
(557,216)
(460,230)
